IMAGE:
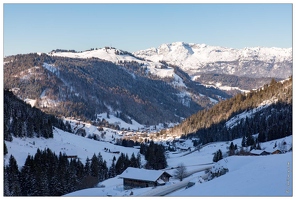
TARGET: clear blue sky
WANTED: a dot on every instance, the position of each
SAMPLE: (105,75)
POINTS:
(131,27)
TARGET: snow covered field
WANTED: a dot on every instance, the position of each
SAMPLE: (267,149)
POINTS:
(67,143)
(248,175)
(112,56)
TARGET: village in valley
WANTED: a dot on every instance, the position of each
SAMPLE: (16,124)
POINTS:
(188,165)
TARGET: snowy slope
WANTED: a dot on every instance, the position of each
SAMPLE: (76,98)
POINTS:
(247,176)
(103,53)
(234,120)
(202,58)
(64,142)
(110,54)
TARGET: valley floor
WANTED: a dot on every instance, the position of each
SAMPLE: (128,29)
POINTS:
(269,175)
(258,176)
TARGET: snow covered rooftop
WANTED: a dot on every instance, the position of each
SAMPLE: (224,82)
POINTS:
(142,174)
(257,152)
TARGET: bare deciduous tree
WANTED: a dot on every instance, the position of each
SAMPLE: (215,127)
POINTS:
(180,172)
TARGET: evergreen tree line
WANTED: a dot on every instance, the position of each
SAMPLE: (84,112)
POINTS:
(217,156)
(270,123)
(213,119)
(127,143)
(154,155)
(22,120)
(48,174)
(242,82)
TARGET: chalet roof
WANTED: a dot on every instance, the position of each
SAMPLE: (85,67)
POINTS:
(257,152)
(142,174)
(183,148)
(271,149)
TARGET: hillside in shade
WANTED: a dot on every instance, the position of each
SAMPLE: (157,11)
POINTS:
(267,111)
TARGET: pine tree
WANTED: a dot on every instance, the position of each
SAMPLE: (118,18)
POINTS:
(87,167)
(102,168)
(133,161)
(244,144)
(62,175)
(138,165)
(7,191)
(13,177)
(231,149)
(217,156)
(111,171)
(120,164)
(94,166)
(249,140)
(27,180)
(161,162)
(261,137)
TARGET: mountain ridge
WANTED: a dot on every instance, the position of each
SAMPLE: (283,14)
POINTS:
(201,58)
(115,78)
(267,111)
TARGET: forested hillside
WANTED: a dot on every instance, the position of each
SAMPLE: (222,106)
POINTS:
(267,111)
(236,83)
(83,88)
(22,120)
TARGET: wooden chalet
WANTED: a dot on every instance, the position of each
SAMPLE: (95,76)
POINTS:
(256,152)
(140,178)
(277,152)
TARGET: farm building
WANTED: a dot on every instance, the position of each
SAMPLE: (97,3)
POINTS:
(256,152)
(139,178)
(277,152)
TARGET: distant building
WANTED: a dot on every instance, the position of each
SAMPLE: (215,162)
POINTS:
(277,152)
(256,152)
(184,148)
(72,156)
(140,178)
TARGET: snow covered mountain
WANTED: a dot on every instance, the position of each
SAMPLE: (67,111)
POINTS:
(247,175)
(201,58)
(183,77)
(74,83)
(118,56)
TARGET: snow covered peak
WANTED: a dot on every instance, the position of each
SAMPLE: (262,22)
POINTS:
(206,53)
(107,53)
(116,56)
(202,58)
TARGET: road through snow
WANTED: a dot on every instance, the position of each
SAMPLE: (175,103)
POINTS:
(167,189)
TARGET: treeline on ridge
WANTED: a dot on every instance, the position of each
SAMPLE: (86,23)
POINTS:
(272,122)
